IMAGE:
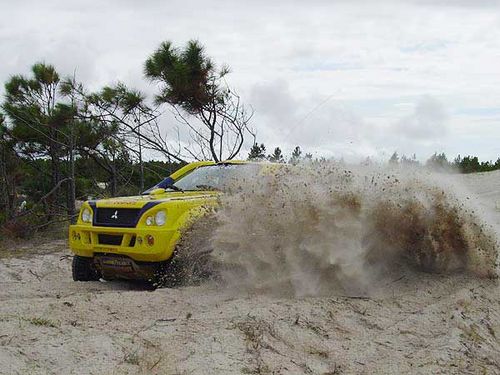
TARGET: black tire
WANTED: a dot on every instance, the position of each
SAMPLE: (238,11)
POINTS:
(83,269)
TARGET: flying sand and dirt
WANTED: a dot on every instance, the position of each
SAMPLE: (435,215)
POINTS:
(319,269)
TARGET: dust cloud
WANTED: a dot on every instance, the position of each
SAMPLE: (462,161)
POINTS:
(326,229)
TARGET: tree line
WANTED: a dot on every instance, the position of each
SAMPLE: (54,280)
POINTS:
(258,153)
(439,161)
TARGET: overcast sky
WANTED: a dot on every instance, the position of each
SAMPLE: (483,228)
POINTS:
(339,78)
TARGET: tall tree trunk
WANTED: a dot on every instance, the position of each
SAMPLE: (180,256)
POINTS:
(7,197)
(141,165)
(72,182)
(71,185)
(113,179)
(53,200)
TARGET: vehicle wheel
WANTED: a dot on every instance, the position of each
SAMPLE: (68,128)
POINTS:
(83,269)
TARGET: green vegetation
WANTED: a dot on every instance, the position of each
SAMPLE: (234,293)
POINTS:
(42,322)
(61,143)
(439,161)
(190,83)
(36,321)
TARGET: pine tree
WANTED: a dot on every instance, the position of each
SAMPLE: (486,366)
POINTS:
(394,160)
(191,84)
(276,156)
(257,152)
(296,155)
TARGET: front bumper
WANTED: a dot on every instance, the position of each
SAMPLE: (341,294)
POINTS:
(88,240)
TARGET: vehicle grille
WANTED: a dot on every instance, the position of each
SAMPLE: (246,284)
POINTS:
(110,239)
(132,242)
(117,217)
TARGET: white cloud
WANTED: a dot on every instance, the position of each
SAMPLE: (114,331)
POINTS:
(427,122)
(366,58)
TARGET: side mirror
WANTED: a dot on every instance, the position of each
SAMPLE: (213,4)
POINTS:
(157,191)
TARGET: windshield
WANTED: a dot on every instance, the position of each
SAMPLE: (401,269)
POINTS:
(217,177)
(212,177)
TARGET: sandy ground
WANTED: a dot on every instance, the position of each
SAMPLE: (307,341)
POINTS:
(420,323)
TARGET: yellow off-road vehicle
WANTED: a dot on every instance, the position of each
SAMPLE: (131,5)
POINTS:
(136,237)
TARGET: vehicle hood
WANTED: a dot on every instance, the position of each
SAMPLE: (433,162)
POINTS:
(139,201)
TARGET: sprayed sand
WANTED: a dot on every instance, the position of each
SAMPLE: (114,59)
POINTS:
(318,230)
(376,316)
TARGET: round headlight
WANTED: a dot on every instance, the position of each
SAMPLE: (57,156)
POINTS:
(161,217)
(86,215)
(150,220)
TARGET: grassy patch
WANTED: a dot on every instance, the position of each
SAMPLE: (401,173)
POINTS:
(36,321)
(318,352)
(41,322)
(132,358)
